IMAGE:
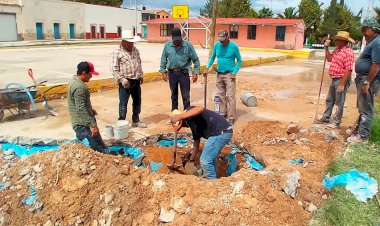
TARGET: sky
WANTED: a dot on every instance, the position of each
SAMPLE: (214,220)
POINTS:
(277,6)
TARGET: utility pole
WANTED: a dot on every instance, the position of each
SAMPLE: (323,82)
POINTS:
(135,34)
(213,26)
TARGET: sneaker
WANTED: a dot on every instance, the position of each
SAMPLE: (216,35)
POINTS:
(320,121)
(356,139)
(139,124)
(332,125)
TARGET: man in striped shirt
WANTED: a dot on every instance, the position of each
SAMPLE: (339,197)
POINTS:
(342,60)
(127,70)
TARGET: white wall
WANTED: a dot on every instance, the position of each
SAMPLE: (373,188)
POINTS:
(49,12)
(111,18)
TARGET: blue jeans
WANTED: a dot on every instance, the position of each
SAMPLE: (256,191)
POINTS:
(335,98)
(211,150)
(134,91)
(365,105)
(182,79)
(96,143)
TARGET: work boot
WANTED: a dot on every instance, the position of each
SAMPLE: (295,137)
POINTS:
(332,126)
(139,124)
(356,139)
(320,121)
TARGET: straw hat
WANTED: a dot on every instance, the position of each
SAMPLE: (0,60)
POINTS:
(343,35)
(127,35)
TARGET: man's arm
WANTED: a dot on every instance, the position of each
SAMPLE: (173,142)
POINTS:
(139,64)
(375,66)
(328,55)
(164,60)
(195,150)
(190,113)
(212,59)
(115,67)
(194,57)
(86,116)
(348,63)
(239,61)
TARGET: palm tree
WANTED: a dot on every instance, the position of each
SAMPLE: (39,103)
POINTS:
(377,13)
(289,13)
(265,13)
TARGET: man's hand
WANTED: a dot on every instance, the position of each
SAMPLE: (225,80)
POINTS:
(141,80)
(94,131)
(365,89)
(165,76)
(327,43)
(232,76)
(340,88)
(193,154)
(125,83)
(195,78)
(175,118)
(94,112)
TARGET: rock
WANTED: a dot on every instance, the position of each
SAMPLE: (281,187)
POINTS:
(304,140)
(9,152)
(312,208)
(299,203)
(304,131)
(324,196)
(145,183)
(292,128)
(282,139)
(94,223)
(158,185)
(48,223)
(79,221)
(293,136)
(93,167)
(108,198)
(116,161)
(166,216)
(9,157)
(292,184)
(188,210)
(237,187)
(333,135)
(24,171)
(37,168)
(265,172)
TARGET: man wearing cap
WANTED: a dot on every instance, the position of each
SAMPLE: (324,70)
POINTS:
(81,112)
(209,125)
(342,60)
(175,62)
(127,70)
(226,51)
(367,79)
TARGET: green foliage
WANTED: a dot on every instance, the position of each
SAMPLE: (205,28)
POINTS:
(116,3)
(310,12)
(375,130)
(230,9)
(265,13)
(338,17)
(289,13)
(343,208)
(377,14)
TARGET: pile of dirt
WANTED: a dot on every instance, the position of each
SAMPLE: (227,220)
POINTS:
(78,186)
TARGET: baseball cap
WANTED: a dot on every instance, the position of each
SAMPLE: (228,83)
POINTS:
(222,35)
(176,34)
(87,67)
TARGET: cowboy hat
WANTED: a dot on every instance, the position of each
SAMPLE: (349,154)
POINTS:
(343,35)
(127,35)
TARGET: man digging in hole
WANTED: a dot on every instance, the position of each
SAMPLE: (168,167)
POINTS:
(342,61)
(208,125)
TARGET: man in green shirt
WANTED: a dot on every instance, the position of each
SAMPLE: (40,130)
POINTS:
(176,59)
(81,112)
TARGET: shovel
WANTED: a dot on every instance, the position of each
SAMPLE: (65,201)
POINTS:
(174,165)
(205,90)
(49,109)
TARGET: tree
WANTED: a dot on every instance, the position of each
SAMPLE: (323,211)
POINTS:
(310,11)
(377,13)
(289,13)
(116,3)
(207,9)
(338,17)
(265,13)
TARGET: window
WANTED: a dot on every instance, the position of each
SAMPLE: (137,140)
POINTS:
(251,33)
(119,29)
(166,29)
(280,33)
(234,31)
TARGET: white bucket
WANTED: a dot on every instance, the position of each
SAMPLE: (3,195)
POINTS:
(109,131)
(121,129)
(248,99)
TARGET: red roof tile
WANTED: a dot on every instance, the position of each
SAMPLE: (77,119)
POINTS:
(270,21)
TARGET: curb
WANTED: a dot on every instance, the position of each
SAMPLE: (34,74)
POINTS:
(109,83)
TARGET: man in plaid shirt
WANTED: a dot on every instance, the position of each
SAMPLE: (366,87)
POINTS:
(342,60)
(127,70)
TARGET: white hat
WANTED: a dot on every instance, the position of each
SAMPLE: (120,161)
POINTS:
(127,35)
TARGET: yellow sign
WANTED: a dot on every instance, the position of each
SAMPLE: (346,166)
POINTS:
(180,11)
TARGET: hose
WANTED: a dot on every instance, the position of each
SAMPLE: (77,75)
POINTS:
(26,90)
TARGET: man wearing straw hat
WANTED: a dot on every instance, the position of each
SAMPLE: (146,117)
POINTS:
(342,60)
(367,79)
(127,70)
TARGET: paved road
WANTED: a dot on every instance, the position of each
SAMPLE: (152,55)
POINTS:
(58,64)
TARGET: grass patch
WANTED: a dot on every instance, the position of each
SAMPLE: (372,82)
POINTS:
(375,132)
(342,208)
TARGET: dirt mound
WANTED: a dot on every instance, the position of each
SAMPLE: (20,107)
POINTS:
(79,186)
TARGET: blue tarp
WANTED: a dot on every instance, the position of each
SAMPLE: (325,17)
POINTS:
(133,153)
(169,143)
(232,163)
(358,183)
(253,163)
(31,198)
(155,166)
(2,186)
(23,150)
(299,160)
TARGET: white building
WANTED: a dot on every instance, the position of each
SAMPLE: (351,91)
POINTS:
(56,19)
